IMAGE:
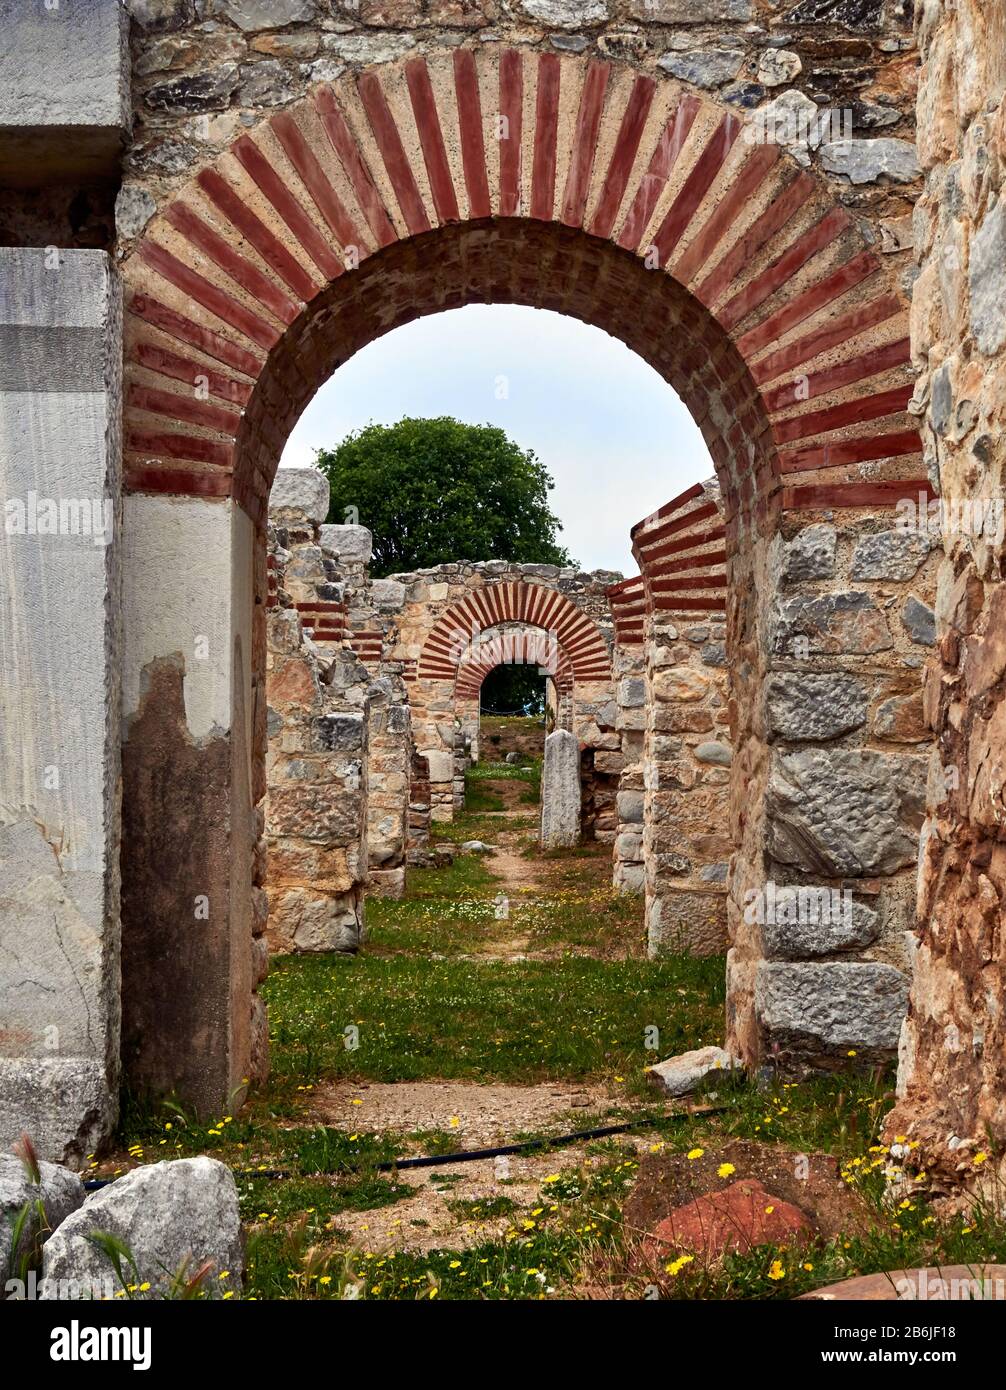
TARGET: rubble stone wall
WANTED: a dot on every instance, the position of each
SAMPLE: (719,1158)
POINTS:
(952,1076)
(317,811)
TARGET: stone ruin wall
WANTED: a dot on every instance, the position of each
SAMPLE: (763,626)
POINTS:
(446,726)
(835,746)
(952,1079)
(319,718)
(198,79)
(202,70)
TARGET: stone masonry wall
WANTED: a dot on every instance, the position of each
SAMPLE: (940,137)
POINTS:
(203,69)
(318,720)
(953,1077)
(829,773)
(437,615)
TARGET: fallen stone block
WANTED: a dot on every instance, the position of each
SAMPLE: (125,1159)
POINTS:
(174,1216)
(680,1075)
(61,1192)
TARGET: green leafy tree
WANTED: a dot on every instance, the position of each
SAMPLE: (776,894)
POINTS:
(435,490)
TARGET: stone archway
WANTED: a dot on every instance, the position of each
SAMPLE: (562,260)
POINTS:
(618,197)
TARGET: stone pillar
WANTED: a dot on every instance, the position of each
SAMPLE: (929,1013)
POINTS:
(686,801)
(389,767)
(953,1045)
(629,873)
(560,791)
(829,778)
(60,356)
(192,763)
(319,720)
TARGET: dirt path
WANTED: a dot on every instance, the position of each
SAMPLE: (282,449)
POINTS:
(457,1205)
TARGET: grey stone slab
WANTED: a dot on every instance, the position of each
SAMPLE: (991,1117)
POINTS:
(560,791)
(64,88)
(831,1005)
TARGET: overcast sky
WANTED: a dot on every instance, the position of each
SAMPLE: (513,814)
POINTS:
(614,436)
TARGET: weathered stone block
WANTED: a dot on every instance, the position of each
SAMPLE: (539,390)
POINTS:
(844,812)
(865,161)
(814,705)
(64,90)
(822,1007)
(890,555)
(352,544)
(560,791)
(692,922)
(847,622)
(301,491)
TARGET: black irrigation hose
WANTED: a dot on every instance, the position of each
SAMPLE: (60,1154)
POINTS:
(464,1155)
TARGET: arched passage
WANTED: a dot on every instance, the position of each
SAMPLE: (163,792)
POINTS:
(619,197)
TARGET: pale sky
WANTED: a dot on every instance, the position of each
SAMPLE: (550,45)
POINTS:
(614,436)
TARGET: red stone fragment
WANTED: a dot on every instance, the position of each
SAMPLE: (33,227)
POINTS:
(739,1217)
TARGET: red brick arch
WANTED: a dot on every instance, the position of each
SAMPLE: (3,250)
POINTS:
(619,197)
(524,647)
(533,605)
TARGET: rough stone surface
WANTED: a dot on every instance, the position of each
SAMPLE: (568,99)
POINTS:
(831,1005)
(60,1190)
(677,1076)
(171,1215)
(846,622)
(807,705)
(778,66)
(919,622)
(566,14)
(810,554)
(302,490)
(796,930)
(560,791)
(352,544)
(704,67)
(134,207)
(987,281)
(250,15)
(844,812)
(890,555)
(865,161)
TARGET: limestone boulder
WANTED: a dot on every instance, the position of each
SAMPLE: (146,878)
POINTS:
(60,1191)
(172,1216)
(678,1076)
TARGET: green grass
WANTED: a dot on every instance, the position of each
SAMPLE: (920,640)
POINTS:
(528,1021)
